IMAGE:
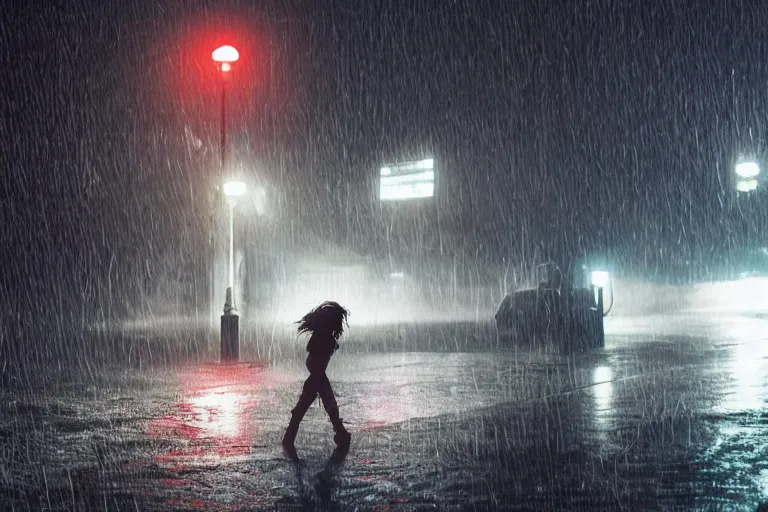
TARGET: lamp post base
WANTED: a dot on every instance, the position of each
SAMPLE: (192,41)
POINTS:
(230,338)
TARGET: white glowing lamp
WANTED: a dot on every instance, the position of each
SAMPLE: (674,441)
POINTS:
(746,185)
(747,169)
(225,56)
(600,278)
(234,188)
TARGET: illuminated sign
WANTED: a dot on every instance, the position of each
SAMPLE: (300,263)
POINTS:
(408,180)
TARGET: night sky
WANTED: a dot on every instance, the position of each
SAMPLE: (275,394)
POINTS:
(557,125)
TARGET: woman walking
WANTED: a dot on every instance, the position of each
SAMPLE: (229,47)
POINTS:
(325,323)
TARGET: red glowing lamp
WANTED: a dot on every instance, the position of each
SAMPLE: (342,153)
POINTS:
(225,56)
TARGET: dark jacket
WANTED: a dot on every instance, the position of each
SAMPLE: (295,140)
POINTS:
(320,347)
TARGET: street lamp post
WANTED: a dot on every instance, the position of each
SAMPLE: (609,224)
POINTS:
(230,321)
(232,190)
(225,57)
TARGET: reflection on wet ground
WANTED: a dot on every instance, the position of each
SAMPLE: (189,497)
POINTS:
(649,422)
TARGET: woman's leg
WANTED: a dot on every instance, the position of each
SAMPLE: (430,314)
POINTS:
(308,394)
(325,391)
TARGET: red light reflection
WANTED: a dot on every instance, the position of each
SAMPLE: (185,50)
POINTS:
(215,414)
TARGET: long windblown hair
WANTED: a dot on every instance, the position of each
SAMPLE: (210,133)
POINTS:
(329,317)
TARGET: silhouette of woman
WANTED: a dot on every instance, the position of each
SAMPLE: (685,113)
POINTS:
(326,325)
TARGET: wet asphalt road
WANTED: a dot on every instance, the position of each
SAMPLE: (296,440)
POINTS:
(670,415)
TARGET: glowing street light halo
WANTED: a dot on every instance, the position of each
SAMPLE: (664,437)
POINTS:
(747,169)
(225,55)
(600,278)
(235,188)
(746,185)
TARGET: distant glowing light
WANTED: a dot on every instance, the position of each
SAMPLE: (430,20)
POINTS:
(393,193)
(226,55)
(600,278)
(428,163)
(746,185)
(397,275)
(408,180)
(234,188)
(225,66)
(747,169)
(746,295)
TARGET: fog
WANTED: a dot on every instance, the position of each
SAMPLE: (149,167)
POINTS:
(416,162)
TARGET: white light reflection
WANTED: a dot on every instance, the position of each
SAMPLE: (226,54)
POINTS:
(747,371)
(602,391)
(739,445)
(219,414)
(763,481)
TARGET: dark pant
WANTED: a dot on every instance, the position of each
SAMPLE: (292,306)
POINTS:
(316,384)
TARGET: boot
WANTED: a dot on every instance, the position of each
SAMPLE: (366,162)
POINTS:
(289,438)
(342,438)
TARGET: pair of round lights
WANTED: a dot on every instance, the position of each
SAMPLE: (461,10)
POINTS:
(747,173)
